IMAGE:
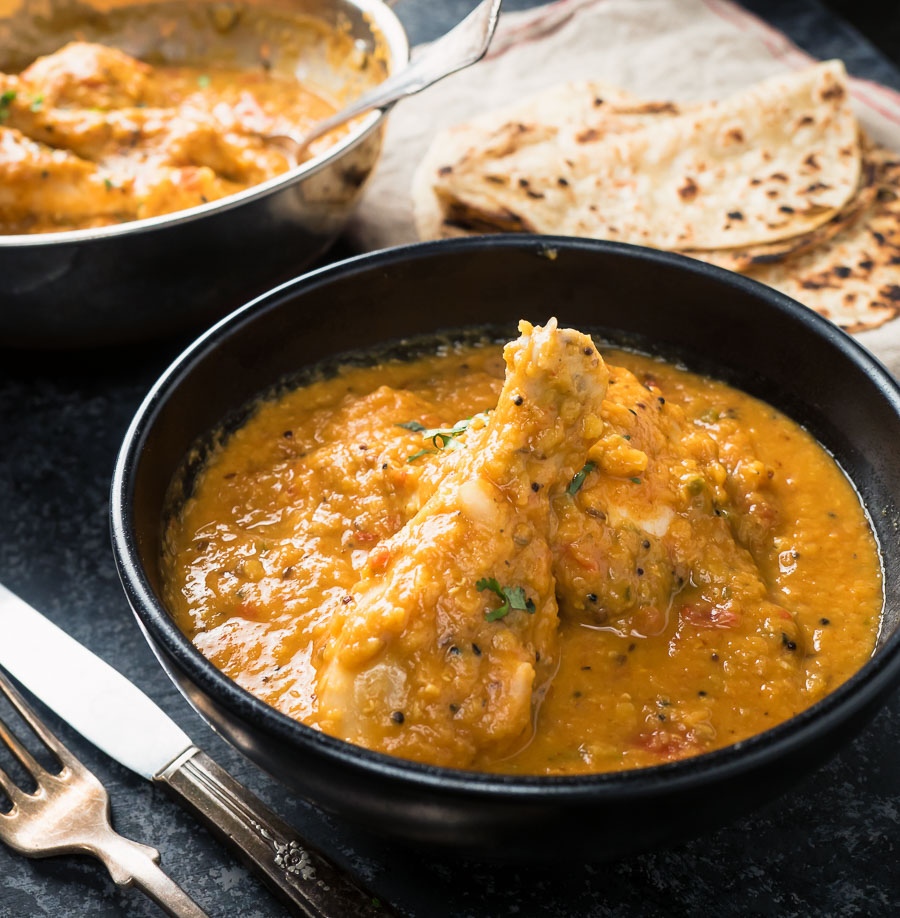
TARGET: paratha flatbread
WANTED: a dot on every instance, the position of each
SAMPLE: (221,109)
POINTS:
(853,278)
(745,258)
(769,163)
(583,108)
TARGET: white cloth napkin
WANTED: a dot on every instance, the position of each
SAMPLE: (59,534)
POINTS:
(658,49)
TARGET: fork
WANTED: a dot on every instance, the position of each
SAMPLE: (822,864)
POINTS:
(69,812)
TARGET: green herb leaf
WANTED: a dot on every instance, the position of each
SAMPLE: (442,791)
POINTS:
(578,479)
(442,437)
(37,103)
(109,184)
(513,598)
(518,600)
(419,454)
(6,99)
(496,614)
(636,480)
(489,583)
(203,81)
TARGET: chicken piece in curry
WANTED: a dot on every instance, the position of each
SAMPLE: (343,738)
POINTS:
(90,136)
(490,513)
(553,563)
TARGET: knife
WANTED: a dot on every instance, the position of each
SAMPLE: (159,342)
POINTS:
(117,717)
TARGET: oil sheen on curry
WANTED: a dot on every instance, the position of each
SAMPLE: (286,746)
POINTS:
(610,563)
(92,137)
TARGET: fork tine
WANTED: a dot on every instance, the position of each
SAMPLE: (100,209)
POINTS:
(10,789)
(47,738)
(31,765)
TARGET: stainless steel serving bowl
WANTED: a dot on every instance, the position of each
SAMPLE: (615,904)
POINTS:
(149,277)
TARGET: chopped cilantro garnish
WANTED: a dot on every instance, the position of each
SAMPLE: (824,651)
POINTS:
(578,479)
(636,480)
(518,599)
(6,99)
(37,103)
(441,437)
(203,81)
(513,598)
(414,426)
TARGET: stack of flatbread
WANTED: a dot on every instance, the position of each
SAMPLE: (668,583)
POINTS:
(775,182)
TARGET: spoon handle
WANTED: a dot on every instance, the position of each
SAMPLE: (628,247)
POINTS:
(306,881)
(462,46)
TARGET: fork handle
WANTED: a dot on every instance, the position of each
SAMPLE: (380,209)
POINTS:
(151,880)
(132,864)
(305,880)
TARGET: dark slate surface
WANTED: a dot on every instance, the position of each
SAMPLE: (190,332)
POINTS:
(829,848)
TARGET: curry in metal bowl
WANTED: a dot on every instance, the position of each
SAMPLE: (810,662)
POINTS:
(91,136)
(543,559)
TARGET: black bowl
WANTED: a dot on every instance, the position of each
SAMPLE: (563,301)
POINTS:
(715,321)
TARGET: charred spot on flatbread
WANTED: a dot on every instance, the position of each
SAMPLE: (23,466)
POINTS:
(744,258)
(853,276)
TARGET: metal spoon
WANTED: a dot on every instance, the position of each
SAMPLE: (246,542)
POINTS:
(461,47)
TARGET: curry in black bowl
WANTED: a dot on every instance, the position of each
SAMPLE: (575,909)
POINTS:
(575,560)
(526,583)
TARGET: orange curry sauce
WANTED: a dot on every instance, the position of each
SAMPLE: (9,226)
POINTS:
(92,137)
(713,572)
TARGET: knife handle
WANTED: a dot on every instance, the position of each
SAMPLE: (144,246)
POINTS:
(305,880)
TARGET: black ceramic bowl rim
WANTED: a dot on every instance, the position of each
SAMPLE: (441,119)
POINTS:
(878,674)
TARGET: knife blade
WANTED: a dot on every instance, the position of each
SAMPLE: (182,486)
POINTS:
(85,691)
(117,717)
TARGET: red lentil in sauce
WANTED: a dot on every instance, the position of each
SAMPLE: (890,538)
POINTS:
(711,569)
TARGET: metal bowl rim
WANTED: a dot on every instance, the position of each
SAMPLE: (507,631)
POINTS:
(391,28)
(880,672)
